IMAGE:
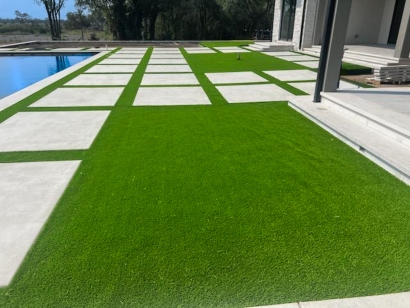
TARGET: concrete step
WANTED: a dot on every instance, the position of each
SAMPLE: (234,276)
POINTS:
(253,48)
(263,44)
(382,150)
(371,115)
(359,58)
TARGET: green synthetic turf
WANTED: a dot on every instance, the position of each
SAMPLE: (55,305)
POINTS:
(228,205)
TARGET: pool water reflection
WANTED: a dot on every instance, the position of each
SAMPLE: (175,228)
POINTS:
(19,72)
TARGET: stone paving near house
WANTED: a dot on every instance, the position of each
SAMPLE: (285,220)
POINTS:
(253,93)
(167,96)
(115,68)
(51,130)
(80,97)
(169,79)
(177,68)
(292,75)
(119,61)
(100,80)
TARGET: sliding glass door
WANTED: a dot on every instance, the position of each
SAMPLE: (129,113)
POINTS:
(287,20)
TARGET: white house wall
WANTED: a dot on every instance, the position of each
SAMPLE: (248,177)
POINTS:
(364,22)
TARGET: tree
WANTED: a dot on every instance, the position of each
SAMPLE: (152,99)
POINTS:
(78,20)
(53,8)
(21,17)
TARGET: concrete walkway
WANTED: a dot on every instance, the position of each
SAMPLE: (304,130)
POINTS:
(398,300)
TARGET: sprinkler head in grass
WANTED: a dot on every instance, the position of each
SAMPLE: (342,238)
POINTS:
(238,56)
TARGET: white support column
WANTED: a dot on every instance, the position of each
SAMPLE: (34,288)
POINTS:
(309,26)
(277,14)
(403,40)
(337,42)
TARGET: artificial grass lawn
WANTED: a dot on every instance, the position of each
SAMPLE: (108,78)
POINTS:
(217,206)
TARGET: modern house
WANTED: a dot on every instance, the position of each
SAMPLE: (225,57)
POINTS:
(381,23)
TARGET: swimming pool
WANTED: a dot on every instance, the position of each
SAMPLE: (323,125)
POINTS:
(18,72)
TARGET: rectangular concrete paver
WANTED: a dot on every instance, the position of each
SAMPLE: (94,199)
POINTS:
(399,300)
(28,195)
(253,93)
(166,51)
(309,87)
(169,79)
(310,64)
(46,131)
(171,96)
(168,69)
(100,80)
(239,50)
(120,68)
(126,56)
(205,51)
(234,77)
(297,58)
(167,56)
(167,61)
(111,61)
(280,53)
(80,97)
(292,75)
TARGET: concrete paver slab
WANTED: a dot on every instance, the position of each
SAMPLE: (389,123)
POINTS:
(80,97)
(171,96)
(280,53)
(227,48)
(399,300)
(253,93)
(309,87)
(168,69)
(132,52)
(28,195)
(310,64)
(292,75)
(126,56)
(46,131)
(125,68)
(167,56)
(167,61)
(298,58)
(193,52)
(169,79)
(197,48)
(234,77)
(166,51)
(240,50)
(114,61)
(100,80)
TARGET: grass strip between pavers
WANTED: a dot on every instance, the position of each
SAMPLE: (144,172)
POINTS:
(229,205)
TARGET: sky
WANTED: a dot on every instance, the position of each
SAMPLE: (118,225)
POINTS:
(8,7)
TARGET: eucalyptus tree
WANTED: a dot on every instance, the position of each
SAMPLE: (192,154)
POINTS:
(53,8)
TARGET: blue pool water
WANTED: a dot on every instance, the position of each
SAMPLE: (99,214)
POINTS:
(18,72)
